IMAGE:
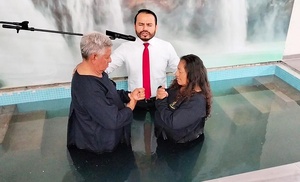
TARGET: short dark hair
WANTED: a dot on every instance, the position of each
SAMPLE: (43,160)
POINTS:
(147,11)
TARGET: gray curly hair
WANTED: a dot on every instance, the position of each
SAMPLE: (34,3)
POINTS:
(94,43)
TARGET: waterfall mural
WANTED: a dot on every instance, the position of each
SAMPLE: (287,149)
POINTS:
(221,32)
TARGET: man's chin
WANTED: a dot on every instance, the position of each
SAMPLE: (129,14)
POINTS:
(145,38)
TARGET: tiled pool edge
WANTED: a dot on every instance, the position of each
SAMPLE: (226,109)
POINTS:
(60,92)
(288,75)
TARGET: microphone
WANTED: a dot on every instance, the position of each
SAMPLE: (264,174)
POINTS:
(114,35)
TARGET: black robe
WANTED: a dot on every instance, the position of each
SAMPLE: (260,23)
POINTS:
(98,118)
(183,121)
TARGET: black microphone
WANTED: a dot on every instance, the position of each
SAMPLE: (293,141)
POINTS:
(114,35)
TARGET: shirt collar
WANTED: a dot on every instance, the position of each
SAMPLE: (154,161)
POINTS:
(151,41)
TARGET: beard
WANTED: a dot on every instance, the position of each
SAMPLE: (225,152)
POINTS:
(145,38)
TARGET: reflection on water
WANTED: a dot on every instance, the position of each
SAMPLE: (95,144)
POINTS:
(180,159)
(87,166)
(253,119)
(143,139)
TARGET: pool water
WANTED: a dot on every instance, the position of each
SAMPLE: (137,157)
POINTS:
(254,125)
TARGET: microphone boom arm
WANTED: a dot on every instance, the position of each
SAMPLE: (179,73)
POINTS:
(24,26)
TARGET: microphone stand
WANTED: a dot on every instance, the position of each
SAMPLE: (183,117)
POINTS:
(24,26)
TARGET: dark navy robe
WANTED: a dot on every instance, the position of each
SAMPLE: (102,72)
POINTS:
(98,118)
(181,122)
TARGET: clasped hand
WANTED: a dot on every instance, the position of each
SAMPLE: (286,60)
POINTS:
(161,93)
(137,94)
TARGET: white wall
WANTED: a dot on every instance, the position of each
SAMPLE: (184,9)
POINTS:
(292,46)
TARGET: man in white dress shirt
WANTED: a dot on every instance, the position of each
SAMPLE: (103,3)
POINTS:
(162,58)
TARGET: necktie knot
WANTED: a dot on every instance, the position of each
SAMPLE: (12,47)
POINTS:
(146,45)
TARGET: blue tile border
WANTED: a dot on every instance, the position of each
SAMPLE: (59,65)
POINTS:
(288,78)
(17,97)
(241,72)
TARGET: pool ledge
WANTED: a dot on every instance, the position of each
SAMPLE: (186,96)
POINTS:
(10,96)
(286,173)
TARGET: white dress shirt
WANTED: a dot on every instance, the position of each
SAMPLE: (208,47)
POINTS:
(163,58)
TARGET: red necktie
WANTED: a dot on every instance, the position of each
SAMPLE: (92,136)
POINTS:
(146,72)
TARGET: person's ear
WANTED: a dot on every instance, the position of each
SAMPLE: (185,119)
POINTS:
(93,58)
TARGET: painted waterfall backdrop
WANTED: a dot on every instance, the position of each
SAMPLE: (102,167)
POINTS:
(221,32)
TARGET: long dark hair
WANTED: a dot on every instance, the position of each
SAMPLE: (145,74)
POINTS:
(196,76)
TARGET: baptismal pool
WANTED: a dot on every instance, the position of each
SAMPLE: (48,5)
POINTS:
(254,125)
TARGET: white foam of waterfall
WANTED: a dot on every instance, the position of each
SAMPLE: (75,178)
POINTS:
(30,58)
(84,13)
(81,14)
(233,27)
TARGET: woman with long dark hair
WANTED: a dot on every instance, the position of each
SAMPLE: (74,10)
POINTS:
(183,108)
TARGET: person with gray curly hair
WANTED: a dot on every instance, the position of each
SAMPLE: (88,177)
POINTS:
(100,115)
